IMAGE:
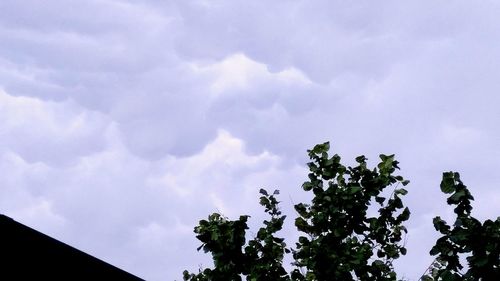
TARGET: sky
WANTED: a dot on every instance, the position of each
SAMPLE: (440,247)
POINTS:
(123,123)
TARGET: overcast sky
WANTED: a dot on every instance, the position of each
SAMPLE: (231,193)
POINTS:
(123,123)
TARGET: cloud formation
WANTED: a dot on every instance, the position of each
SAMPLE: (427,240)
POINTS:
(122,123)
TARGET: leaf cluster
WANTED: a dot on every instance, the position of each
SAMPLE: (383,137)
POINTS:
(259,259)
(342,241)
(478,242)
(352,229)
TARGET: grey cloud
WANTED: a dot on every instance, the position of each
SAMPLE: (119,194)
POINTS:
(138,214)
(416,79)
(49,132)
(295,34)
(92,17)
(328,41)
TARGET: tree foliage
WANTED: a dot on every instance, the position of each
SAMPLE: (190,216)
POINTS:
(352,229)
(478,242)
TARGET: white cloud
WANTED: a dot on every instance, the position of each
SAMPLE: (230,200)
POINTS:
(238,72)
(213,172)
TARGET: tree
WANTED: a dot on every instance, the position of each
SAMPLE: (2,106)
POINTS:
(351,230)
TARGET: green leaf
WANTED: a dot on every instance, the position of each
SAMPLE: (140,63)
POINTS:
(307,186)
(380,199)
(380,254)
(320,148)
(401,191)
(354,189)
(405,215)
(456,197)
(301,224)
(387,163)
(361,159)
(264,201)
(448,182)
(440,225)
(403,251)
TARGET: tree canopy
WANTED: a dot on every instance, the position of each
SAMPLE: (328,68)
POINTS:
(352,229)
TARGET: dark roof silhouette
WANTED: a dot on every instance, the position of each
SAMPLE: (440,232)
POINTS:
(26,254)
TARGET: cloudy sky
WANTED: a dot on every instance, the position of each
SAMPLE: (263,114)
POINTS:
(123,123)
